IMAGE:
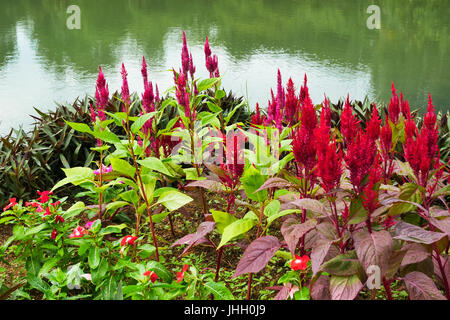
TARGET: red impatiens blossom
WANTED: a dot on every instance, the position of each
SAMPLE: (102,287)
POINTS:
(78,232)
(53,235)
(349,122)
(46,213)
(359,159)
(394,106)
(153,276)
(58,218)
(12,203)
(125,89)
(299,263)
(180,275)
(44,196)
(128,240)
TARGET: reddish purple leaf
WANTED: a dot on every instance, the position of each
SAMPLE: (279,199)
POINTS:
(415,253)
(319,252)
(345,288)
(442,224)
(206,184)
(196,238)
(409,232)
(274,182)
(293,230)
(374,249)
(421,287)
(320,290)
(445,263)
(257,255)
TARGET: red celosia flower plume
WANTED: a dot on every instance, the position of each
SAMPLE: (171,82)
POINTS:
(257,118)
(101,95)
(373,126)
(185,56)
(349,122)
(370,193)
(359,159)
(394,106)
(211,61)
(292,106)
(144,71)
(125,89)
(421,150)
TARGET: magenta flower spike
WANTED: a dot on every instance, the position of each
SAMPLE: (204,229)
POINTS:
(144,71)
(125,89)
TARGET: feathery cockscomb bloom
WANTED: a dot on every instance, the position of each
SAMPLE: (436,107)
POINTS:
(325,114)
(185,56)
(191,66)
(349,122)
(144,71)
(359,159)
(281,96)
(329,165)
(101,95)
(211,61)
(404,107)
(422,151)
(292,106)
(373,126)
(370,192)
(125,89)
(257,118)
(394,106)
(386,150)
(148,98)
(304,92)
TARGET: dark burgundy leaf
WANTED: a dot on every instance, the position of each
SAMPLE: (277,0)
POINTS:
(409,232)
(282,294)
(421,287)
(394,263)
(374,249)
(345,264)
(312,205)
(257,255)
(327,230)
(445,262)
(292,230)
(442,224)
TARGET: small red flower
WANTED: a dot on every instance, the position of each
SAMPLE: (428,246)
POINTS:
(153,276)
(54,233)
(128,240)
(59,219)
(44,196)
(180,275)
(78,232)
(46,213)
(12,203)
(299,263)
(57,203)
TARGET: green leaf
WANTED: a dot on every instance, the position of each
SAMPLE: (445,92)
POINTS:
(96,226)
(222,219)
(137,125)
(48,265)
(160,270)
(206,84)
(94,257)
(220,94)
(76,176)
(80,127)
(112,229)
(173,200)
(106,136)
(155,164)
(252,180)
(235,229)
(123,167)
(219,290)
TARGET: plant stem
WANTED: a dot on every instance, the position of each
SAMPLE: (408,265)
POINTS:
(249,286)
(387,287)
(219,258)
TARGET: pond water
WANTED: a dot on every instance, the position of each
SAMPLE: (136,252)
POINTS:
(43,62)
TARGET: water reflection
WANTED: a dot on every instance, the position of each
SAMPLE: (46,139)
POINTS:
(41,61)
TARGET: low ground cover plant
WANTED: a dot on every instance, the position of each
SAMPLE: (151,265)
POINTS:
(312,201)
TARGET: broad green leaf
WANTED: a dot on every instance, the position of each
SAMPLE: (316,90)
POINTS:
(174,200)
(219,290)
(222,219)
(252,180)
(80,127)
(94,257)
(235,229)
(155,164)
(123,167)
